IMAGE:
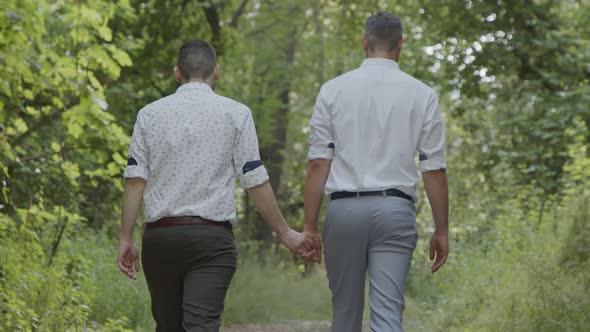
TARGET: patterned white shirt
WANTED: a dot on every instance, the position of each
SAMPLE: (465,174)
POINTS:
(371,122)
(188,147)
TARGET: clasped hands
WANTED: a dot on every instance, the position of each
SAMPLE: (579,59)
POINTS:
(306,244)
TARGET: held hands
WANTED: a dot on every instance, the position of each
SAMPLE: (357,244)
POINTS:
(306,244)
(311,247)
(128,258)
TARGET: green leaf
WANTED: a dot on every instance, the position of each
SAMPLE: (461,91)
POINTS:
(20,125)
(75,130)
(28,94)
(121,56)
(71,170)
(32,111)
(105,33)
(55,146)
(4,88)
(119,159)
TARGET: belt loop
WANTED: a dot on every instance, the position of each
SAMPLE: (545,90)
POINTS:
(358,195)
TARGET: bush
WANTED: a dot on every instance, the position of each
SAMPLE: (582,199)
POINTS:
(39,291)
(531,279)
(117,299)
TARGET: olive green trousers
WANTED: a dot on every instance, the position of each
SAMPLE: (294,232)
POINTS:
(188,270)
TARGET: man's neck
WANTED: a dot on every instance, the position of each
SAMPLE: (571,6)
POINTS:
(196,80)
(393,55)
(387,56)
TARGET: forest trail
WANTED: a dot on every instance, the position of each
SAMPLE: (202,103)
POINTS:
(287,326)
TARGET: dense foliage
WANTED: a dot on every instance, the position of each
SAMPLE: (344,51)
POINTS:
(514,82)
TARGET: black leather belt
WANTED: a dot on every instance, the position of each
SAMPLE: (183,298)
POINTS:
(388,192)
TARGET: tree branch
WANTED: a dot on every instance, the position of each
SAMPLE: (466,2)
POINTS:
(59,237)
(43,121)
(234,19)
(162,92)
(213,19)
(263,29)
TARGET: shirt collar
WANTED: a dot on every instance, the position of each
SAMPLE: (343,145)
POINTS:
(380,62)
(195,86)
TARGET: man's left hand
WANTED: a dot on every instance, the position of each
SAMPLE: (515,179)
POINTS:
(439,250)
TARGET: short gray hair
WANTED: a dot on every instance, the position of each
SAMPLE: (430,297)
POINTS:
(383,31)
(196,59)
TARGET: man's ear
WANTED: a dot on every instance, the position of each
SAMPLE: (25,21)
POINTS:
(177,75)
(365,43)
(216,72)
(398,48)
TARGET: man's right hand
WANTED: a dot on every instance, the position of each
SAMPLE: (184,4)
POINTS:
(291,239)
(298,243)
(128,258)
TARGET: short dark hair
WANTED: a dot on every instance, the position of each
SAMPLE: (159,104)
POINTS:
(196,59)
(383,31)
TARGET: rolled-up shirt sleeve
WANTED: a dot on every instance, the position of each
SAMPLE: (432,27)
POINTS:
(431,146)
(246,156)
(137,164)
(321,141)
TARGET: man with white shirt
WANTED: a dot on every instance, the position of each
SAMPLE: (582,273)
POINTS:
(367,127)
(184,154)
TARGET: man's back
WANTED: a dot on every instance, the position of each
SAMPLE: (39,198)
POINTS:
(189,141)
(185,152)
(379,117)
(366,129)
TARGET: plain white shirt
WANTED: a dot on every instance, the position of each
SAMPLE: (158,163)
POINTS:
(374,122)
(188,147)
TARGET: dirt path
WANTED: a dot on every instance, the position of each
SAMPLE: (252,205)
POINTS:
(288,326)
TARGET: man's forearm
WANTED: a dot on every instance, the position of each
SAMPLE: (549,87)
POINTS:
(266,204)
(132,197)
(317,174)
(435,183)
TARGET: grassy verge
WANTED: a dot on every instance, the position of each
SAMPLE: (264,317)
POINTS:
(514,278)
(518,277)
(271,293)
(275,291)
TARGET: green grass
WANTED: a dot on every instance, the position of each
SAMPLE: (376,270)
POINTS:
(521,277)
(516,278)
(115,296)
(272,293)
(258,293)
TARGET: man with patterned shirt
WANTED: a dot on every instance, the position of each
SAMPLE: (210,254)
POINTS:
(366,129)
(184,154)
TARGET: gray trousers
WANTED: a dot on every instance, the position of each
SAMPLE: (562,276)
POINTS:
(188,270)
(375,234)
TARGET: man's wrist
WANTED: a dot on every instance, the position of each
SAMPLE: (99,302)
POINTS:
(441,231)
(125,237)
(282,230)
(311,228)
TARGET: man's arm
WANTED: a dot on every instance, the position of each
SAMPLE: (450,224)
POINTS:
(266,204)
(435,183)
(317,174)
(132,196)
(254,179)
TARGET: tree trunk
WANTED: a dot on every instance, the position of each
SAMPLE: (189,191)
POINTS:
(273,154)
